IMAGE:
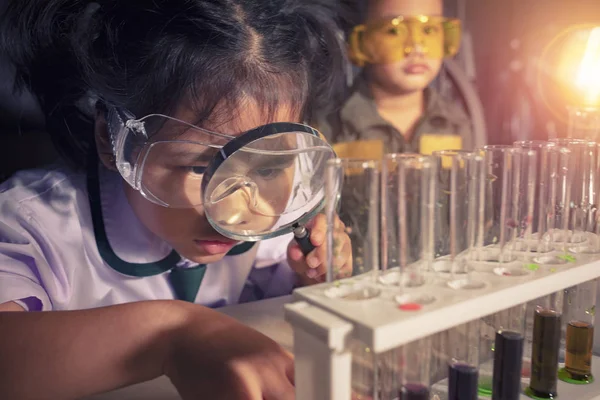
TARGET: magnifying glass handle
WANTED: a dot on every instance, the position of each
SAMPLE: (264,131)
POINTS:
(302,236)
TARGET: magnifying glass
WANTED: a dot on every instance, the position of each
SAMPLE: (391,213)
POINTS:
(267,182)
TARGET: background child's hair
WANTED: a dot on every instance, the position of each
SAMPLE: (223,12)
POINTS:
(149,56)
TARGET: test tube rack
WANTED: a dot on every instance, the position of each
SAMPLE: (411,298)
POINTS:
(323,325)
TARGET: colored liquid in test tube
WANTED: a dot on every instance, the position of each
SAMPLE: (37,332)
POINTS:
(507,366)
(580,315)
(544,357)
(580,336)
(414,391)
(462,382)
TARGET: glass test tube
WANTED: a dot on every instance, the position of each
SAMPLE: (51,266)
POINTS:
(521,203)
(545,346)
(585,201)
(365,384)
(463,361)
(579,314)
(459,184)
(508,362)
(535,146)
(497,231)
(552,161)
(408,199)
(584,123)
(414,364)
(352,190)
(498,329)
(582,191)
(555,196)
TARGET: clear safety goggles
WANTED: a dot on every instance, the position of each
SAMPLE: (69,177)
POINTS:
(256,185)
(391,40)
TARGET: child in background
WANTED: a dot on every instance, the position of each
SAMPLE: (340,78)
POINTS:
(166,84)
(391,107)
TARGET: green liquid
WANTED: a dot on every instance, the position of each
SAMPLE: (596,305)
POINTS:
(568,377)
(534,395)
(485,389)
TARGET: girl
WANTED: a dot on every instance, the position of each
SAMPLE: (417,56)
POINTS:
(92,244)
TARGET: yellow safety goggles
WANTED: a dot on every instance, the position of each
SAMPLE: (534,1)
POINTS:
(391,40)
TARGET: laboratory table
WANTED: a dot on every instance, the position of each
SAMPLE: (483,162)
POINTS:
(265,316)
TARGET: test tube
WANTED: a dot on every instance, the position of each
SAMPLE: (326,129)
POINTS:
(508,360)
(550,166)
(545,347)
(365,385)
(496,368)
(555,196)
(584,123)
(497,231)
(535,146)
(582,164)
(463,361)
(460,177)
(408,199)
(352,192)
(579,313)
(522,205)
(414,364)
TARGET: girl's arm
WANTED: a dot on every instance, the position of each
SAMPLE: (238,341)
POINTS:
(73,354)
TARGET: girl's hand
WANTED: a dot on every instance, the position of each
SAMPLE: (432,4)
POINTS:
(221,358)
(313,268)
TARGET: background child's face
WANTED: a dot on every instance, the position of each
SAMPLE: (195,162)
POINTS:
(187,230)
(416,71)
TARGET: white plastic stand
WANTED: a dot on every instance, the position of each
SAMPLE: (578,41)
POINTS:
(323,324)
(322,363)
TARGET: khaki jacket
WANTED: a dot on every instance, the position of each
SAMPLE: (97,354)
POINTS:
(359,120)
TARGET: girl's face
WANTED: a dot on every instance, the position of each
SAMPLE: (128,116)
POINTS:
(187,230)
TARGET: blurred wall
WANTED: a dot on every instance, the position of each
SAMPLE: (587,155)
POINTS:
(509,37)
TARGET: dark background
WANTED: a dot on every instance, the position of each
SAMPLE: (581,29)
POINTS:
(508,37)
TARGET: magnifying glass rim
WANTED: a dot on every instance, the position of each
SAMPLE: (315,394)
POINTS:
(283,230)
(236,144)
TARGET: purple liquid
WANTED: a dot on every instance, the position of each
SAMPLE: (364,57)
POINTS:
(414,391)
(508,362)
(462,382)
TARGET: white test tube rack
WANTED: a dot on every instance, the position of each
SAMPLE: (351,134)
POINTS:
(323,325)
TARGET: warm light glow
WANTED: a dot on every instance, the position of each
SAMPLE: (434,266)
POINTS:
(588,76)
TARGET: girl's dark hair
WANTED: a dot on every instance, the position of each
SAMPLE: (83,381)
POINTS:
(149,56)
